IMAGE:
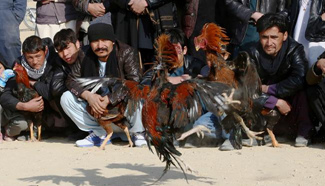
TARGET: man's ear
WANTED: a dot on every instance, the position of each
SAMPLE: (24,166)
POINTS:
(46,49)
(77,44)
(285,35)
(185,50)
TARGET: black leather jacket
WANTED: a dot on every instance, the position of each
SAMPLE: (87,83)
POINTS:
(239,15)
(315,31)
(291,74)
(128,67)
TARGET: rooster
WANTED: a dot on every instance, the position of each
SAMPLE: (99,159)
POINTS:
(240,74)
(166,107)
(115,111)
(26,93)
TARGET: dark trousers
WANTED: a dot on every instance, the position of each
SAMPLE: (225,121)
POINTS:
(298,121)
(316,100)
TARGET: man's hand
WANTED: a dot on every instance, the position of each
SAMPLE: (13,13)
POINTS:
(96,9)
(265,88)
(178,79)
(256,16)
(34,105)
(283,106)
(97,103)
(138,6)
(321,64)
(323,16)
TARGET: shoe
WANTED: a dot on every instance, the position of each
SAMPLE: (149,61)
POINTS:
(8,138)
(22,138)
(89,141)
(139,140)
(1,137)
(301,141)
(226,146)
(102,138)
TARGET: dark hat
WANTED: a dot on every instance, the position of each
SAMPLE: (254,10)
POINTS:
(101,31)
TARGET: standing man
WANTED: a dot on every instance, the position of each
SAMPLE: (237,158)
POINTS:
(54,15)
(12,13)
(106,57)
(282,67)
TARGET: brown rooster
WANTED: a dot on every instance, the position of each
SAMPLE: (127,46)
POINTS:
(124,95)
(240,74)
(24,94)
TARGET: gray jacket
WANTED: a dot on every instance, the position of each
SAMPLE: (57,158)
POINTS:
(55,12)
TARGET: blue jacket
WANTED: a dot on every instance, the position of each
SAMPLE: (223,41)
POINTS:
(12,13)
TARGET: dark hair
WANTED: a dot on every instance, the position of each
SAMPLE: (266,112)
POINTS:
(33,44)
(177,36)
(270,20)
(63,38)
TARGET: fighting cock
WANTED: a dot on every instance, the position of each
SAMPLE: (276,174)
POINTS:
(24,94)
(240,74)
(167,107)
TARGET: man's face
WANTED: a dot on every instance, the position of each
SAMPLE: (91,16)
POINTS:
(70,53)
(102,48)
(37,59)
(180,51)
(272,40)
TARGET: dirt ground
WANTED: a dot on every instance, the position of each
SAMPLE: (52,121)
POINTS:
(58,162)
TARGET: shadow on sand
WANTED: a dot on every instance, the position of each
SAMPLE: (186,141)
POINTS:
(150,174)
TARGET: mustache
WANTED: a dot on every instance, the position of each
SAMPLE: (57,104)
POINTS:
(101,49)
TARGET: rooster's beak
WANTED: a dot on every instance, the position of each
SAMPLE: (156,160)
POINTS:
(197,48)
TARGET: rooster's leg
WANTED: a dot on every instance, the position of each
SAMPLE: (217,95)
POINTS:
(109,131)
(187,167)
(250,134)
(229,99)
(127,133)
(199,130)
(31,130)
(39,131)
(274,141)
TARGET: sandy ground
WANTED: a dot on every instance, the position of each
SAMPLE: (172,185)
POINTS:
(58,162)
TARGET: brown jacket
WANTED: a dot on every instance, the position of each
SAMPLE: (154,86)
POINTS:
(128,67)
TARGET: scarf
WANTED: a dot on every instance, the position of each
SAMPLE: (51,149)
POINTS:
(271,64)
(33,73)
(90,66)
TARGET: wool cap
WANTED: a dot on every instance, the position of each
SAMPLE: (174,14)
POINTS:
(101,31)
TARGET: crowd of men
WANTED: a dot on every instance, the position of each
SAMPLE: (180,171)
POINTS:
(111,38)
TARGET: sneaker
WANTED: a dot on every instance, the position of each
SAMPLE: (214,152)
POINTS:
(89,141)
(226,146)
(139,140)
(102,138)
(301,141)
(8,138)
(24,137)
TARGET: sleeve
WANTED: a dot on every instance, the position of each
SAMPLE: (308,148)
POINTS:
(239,10)
(313,77)
(70,83)
(297,78)
(81,5)
(131,65)
(153,4)
(7,99)
(58,87)
(19,9)
(316,26)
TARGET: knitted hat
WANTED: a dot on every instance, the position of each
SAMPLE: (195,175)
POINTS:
(101,31)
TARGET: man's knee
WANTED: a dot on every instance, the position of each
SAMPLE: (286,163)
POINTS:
(66,99)
(16,126)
